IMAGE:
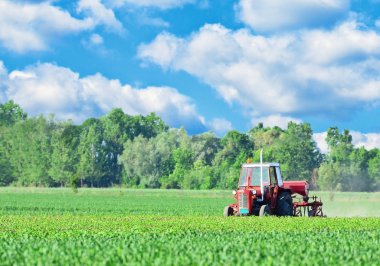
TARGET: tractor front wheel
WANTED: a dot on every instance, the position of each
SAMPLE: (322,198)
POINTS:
(264,210)
(228,211)
(284,204)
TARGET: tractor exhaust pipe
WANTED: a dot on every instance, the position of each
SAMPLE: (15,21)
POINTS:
(261,175)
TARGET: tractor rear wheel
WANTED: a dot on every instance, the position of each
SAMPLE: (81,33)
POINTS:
(284,204)
(264,210)
(228,211)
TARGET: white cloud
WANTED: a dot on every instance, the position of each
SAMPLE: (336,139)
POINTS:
(320,139)
(146,19)
(324,72)
(220,126)
(3,70)
(275,120)
(345,41)
(3,78)
(47,88)
(162,51)
(100,14)
(367,140)
(161,4)
(95,43)
(96,39)
(275,15)
(28,27)
(377,23)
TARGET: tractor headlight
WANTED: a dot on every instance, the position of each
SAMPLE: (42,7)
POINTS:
(253,192)
(234,192)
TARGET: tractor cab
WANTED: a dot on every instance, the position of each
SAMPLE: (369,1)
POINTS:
(260,175)
(258,183)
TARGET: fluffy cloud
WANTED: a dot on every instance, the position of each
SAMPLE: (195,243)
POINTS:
(47,88)
(3,70)
(161,4)
(275,15)
(369,140)
(96,39)
(377,23)
(146,19)
(220,126)
(163,51)
(366,140)
(27,27)
(320,139)
(3,78)
(100,14)
(275,120)
(325,72)
(95,43)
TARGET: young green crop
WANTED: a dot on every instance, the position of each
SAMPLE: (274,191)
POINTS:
(147,227)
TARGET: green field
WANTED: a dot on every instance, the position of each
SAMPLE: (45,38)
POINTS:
(157,227)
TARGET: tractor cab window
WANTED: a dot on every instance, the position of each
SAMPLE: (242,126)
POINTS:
(254,174)
(243,176)
(279,177)
(272,176)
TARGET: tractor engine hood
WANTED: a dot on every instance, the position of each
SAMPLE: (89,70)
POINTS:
(297,187)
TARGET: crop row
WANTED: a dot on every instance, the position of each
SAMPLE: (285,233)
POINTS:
(50,225)
(161,240)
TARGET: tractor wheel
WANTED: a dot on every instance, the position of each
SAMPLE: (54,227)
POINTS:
(264,210)
(228,211)
(284,205)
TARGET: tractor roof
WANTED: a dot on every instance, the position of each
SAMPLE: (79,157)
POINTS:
(258,164)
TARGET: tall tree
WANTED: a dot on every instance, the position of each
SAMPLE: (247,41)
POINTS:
(64,157)
(30,150)
(340,144)
(297,152)
(345,168)
(236,149)
(10,113)
(92,155)
(374,170)
(205,147)
(149,162)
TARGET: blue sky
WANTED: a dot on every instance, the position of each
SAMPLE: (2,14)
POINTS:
(202,64)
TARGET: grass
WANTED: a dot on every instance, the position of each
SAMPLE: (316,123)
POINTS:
(159,227)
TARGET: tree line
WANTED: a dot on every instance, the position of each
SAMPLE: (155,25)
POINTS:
(143,152)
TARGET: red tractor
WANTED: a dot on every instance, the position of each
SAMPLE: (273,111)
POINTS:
(262,191)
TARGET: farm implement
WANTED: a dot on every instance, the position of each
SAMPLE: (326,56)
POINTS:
(262,192)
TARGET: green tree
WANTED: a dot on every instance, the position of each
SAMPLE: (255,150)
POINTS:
(205,147)
(119,128)
(340,145)
(64,157)
(10,113)
(91,154)
(345,168)
(6,172)
(374,170)
(30,150)
(183,160)
(236,149)
(297,152)
(264,138)
(148,163)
